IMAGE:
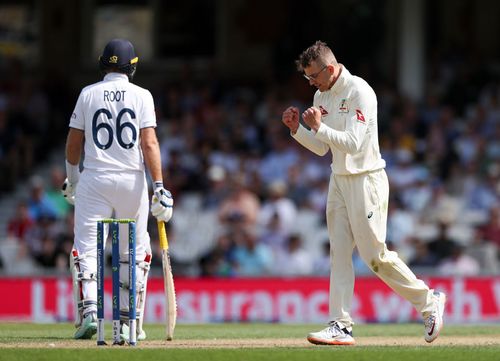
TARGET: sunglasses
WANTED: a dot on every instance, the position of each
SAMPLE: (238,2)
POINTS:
(315,75)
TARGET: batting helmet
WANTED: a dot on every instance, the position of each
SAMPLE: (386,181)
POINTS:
(119,55)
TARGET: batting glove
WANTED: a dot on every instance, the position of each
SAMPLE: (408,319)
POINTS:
(68,191)
(162,203)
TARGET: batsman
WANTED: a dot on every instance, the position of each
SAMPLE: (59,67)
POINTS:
(343,120)
(113,123)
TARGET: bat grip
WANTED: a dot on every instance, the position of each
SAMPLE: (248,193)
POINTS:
(163,235)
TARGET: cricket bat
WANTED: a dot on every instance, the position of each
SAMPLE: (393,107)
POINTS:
(168,278)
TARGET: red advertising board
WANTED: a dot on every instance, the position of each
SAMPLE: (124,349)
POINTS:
(293,300)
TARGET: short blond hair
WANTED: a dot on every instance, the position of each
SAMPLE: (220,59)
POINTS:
(318,52)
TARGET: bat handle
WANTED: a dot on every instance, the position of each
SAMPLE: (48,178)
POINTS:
(163,235)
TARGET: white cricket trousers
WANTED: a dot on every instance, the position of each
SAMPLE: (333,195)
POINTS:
(108,194)
(356,214)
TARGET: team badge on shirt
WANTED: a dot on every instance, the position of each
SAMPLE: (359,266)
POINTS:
(360,116)
(323,111)
(343,108)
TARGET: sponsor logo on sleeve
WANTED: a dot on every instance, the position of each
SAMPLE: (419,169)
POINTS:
(360,116)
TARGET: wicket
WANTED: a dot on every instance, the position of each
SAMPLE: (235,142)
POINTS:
(115,269)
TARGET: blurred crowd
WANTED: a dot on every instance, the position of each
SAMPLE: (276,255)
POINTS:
(33,120)
(250,201)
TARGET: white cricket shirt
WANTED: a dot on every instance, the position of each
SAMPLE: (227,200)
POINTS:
(348,128)
(111,113)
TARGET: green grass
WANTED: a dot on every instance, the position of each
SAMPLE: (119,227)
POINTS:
(16,341)
(319,354)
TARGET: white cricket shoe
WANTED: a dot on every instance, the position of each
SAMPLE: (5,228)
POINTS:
(433,322)
(124,333)
(88,327)
(335,334)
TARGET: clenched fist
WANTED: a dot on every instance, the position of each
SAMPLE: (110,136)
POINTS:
(291,119)
(312,117)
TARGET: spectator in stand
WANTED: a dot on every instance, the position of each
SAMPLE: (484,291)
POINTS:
(484,252)
(251,259)
(405,172)
(493,146)
(422,257)
(317,197)
(459,263)
(274,235)
(278,203)
(401,225)
(47,255)
(39,204)
(298,190)
(293,260)
(217,189)
(54,192)
(443,206)
(218,262)
(20,223)
(279,159)
(24,263)
(321,265)
(467,144)
(417,196)
(45,227)
(224,155)
(63,251)
(442,246)
(481,190)
(491,229)
(241,207)
(178,176)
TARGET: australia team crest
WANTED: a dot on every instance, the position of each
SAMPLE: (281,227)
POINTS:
(343,108)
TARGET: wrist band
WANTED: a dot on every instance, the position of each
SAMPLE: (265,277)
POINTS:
(72,172)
